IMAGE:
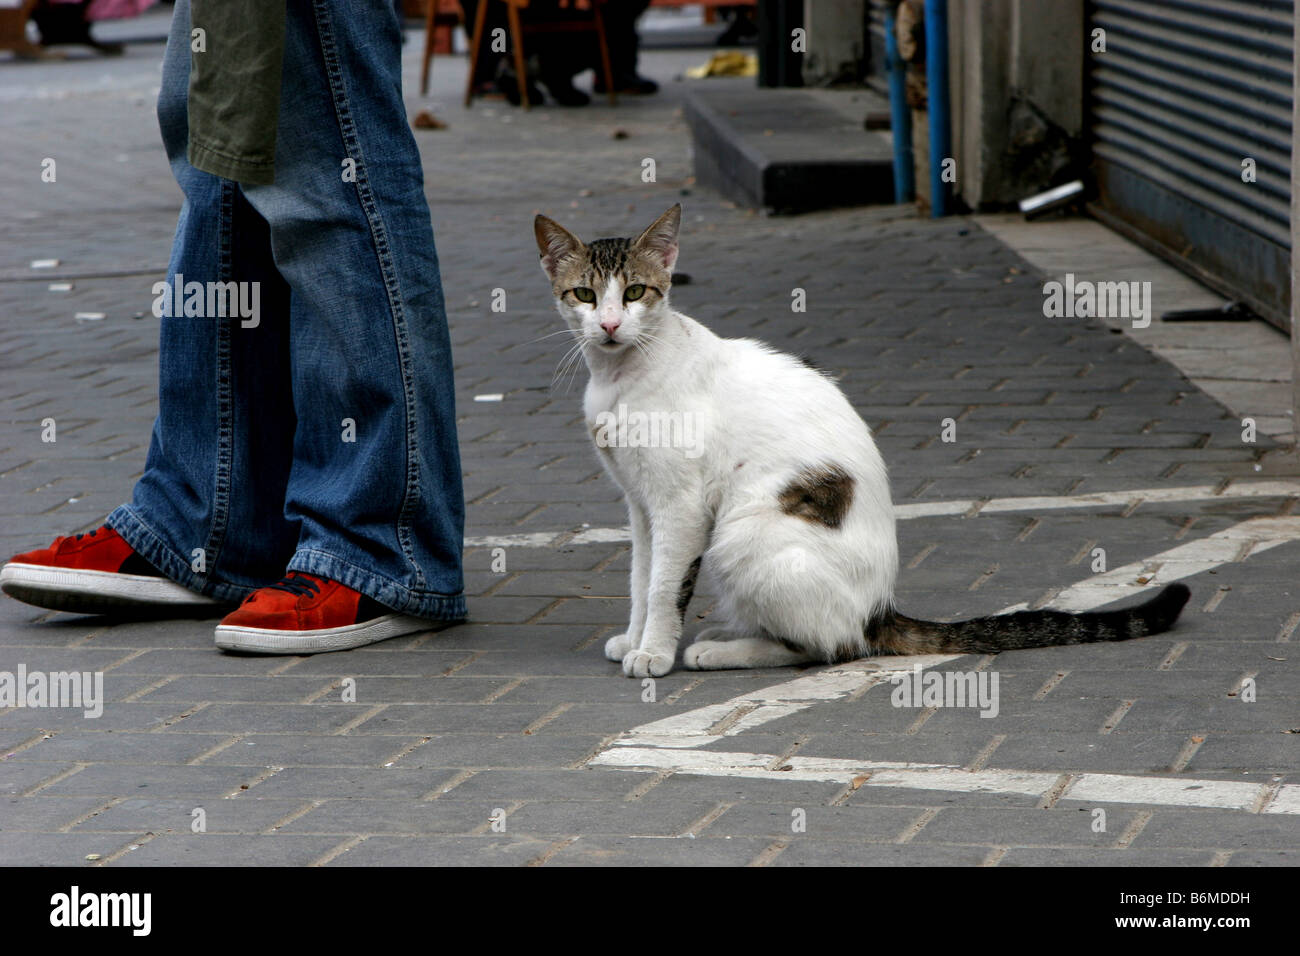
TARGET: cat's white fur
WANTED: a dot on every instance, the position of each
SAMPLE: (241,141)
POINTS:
(763,418)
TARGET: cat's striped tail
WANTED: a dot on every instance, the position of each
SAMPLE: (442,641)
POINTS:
(1007,632)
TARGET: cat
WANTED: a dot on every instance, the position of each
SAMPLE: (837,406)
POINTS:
(781,496)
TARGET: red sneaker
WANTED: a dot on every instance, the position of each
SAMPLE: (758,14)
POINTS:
(95,573)
(306,614)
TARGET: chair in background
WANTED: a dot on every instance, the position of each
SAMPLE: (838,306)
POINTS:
(518,30)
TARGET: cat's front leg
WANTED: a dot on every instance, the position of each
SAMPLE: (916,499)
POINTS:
(678,538)
(617,647)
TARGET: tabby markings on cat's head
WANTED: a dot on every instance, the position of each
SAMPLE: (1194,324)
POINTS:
(612,292)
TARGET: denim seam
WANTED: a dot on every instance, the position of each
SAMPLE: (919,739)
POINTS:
(223,477)
(379,234)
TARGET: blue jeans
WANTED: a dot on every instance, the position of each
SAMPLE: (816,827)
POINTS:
(320,435)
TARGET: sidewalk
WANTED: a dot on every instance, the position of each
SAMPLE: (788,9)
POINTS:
(510,740)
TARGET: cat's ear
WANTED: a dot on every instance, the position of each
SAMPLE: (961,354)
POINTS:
(660,239)
(555,243)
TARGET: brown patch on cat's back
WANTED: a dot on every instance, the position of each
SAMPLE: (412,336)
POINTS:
(820,495)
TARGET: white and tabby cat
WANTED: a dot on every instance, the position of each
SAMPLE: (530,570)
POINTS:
(781,495)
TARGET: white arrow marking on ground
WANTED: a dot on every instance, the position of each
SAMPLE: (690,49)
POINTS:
(668,744)
(930,509)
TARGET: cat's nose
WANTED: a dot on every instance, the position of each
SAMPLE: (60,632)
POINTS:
(611,326)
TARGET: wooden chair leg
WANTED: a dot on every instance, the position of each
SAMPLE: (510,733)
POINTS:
(604,54)
(430,15)
(476,41)
(521,63)
(13,31)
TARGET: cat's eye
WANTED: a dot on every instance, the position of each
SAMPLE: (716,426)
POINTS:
(585,295)
(633,292)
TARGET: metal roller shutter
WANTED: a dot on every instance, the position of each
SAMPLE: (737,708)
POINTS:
(1184,92)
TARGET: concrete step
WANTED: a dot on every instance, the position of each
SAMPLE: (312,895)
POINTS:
(789,150)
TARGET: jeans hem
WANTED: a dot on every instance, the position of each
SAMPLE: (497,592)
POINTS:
(429,605)
(151,546)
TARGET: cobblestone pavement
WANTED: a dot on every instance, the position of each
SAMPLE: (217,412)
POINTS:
(492,742)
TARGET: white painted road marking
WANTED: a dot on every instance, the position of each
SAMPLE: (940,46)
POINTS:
(961,506)
(1086,787)
(670,743)
(1250,537)
(1237,543)
(692,728)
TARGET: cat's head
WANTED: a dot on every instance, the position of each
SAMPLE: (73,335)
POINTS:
(612,292)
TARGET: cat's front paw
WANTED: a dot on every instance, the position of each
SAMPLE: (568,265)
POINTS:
(645,664)
(616,647)
(697,655)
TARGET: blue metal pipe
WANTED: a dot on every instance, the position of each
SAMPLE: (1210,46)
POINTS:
(940,106)
(900,116)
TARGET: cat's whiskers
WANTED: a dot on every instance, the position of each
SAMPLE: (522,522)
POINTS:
(568,365)
(644,341)
(564,331)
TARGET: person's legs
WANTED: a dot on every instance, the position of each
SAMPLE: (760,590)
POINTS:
(318,433)
(624,47)
(375,484)
(208,511)
(620,27)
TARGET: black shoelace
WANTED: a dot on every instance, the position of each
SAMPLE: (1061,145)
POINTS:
(295,583)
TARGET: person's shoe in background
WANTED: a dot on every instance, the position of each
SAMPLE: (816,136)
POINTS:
(629,83)
(507,84)
(564,92)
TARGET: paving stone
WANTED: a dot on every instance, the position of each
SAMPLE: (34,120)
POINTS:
(379,661)
(116,748)
(149,815)
(1115,753)
(869,795)
(1071,856)
(302,750)
(1264,858)
(404,718)
(216,849)
(1220,829)
(121,716)
(269,718)
(1248,751)
(778,821)
(58,849)
(161,780)
(626,851)
(840,853)
(44,814)
(354,815)
(1061,827)
(1273,715)
(486,850)
(312,783)
(470,750)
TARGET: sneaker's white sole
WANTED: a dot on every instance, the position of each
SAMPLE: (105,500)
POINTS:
(261,640)
(81,591)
